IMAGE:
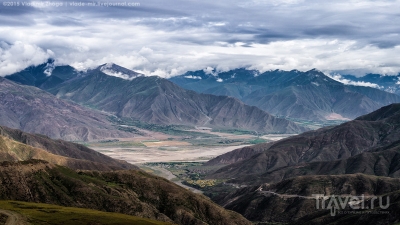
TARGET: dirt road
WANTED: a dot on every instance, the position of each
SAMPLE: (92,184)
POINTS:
(13,218)
(169,176)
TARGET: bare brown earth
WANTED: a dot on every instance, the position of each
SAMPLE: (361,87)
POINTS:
(226,135)
(137,155)
(165,143)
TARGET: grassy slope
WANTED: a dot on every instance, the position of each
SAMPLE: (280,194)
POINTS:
(38,213)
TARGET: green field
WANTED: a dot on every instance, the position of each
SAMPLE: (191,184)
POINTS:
(38,213)
(175,130)
(316,124)
(190,173)
(236,131)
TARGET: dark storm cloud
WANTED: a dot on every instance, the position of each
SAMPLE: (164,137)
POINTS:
(65,21)
(266,22)
(274,23)
(129,12)
(16,10)
(333,30)
(16,15)
(269,36)
(385,44)
(21,21)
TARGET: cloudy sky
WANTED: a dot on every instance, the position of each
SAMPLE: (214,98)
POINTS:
(170,37)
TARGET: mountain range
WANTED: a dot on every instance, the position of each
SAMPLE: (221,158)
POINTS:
(126,94)
(309,95)
(275,179)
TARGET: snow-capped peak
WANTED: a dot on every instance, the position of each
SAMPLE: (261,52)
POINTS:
(48,69)
(114,70)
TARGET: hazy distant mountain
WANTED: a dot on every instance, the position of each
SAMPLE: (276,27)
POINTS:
(157,100)
(48,75)
(387,83)
(369,133)
(33,110)
(44,76)
(307,95)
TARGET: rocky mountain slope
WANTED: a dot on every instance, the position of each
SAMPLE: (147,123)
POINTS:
(380,161)
(18,146)
(159,101)
(33,110)
(291,200)
(307,95)
(360,157)
(130,192)
(363,134)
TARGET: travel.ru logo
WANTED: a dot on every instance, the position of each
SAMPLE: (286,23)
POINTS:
(335,203)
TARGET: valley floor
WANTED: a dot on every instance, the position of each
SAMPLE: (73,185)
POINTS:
(154,149)
(159,147)
(170,153)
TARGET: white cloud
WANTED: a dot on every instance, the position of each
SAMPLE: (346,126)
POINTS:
(340,79)
(19,55)
(193,77)
(211,71)
(49,69)
(220,80)
(171,60)
(300,34)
